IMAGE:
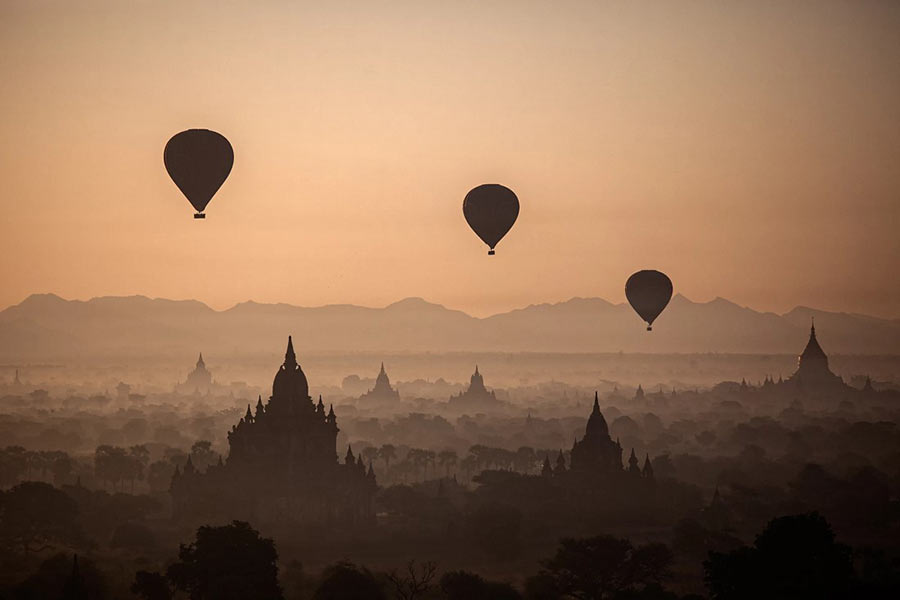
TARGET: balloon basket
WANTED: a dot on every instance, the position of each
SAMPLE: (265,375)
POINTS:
(649,328)
(491,252)
(199,216)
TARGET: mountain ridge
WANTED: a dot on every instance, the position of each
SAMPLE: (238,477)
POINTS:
(50,326)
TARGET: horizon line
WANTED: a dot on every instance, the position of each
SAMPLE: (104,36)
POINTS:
(438,304)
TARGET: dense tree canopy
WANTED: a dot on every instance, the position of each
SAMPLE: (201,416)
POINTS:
(232,562)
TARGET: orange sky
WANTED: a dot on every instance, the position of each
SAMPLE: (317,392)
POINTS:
(750,150)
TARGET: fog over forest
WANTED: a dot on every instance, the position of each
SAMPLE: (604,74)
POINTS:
(468,476)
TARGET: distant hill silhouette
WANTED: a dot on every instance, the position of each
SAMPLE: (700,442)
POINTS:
(46,326)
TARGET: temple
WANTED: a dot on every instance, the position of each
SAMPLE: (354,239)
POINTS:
(476,397)
(382,394)
(596,451)
(282,467)
(198,381)
(812,372)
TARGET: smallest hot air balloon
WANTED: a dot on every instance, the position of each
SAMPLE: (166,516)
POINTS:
(198,161)
(491,210)
(648,292)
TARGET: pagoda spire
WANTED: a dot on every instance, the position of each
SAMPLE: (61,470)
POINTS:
(348,459)
(647,471)
(290,359)
(596,409)
(547,470)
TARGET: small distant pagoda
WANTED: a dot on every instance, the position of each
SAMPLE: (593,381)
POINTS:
(476,397)
(812,367)
(382,393)
(199,380)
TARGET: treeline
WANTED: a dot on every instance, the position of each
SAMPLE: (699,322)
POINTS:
(794,557)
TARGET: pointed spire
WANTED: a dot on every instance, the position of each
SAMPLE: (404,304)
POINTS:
(633,462)
(290,359)
(200,363)
(249,416)
(382,367)
(812,327)
(647,471)
(547,470)
(371,472)
(349,459)
(74,588)
(560,462)
(189,466)
(476,368)
(596,409)
(259,406)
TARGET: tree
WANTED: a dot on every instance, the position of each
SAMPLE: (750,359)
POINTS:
(111,464)
(65,577)
(346,581)
(133,536)
(231,562)
(151,586)
(202,455)
(496,529)
(35,516)
(138,457)
(413,583)
(794,557)
(159,475)
(602,567)
(447,459)
(387,453)
(62,468)
(462,585)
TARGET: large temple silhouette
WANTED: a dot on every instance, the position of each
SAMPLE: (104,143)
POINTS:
(382,394)
(282,467)
(596,451)
(596,454)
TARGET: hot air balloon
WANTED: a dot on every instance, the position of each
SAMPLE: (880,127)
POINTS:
(648,292)
(198,161)
(491,209)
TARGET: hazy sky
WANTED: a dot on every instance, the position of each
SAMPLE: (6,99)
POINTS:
(750,150)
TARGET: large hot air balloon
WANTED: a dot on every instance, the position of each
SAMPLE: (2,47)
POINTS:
(491,209)
(198,161)
(648,292)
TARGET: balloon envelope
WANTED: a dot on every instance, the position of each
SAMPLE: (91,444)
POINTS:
(648,292)
(198,161)
(491,209)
